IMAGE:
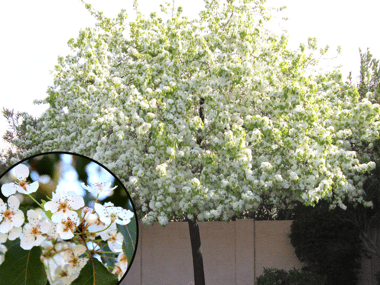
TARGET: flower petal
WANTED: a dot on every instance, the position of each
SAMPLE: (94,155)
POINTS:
(32,218)
(82,262)
(99,208)
(120,237)
(104,235)
(27,229)
(45,226)
(53,231)
(3,248)
(79,249)
(9,189)
(76,201)
(13,203)
(115,246)
(31,188)
(6,226)
(18,219)
(126,216)
(51,206)
(27,242)
(66,235)
(103,213)
(86,187)
(15,233)
(3,207)
(59,216)
(3,237)
(22,172)
(40,239)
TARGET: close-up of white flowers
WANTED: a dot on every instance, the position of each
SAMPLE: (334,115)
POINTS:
(68,232)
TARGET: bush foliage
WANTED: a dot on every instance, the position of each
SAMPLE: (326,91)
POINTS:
(274,276)
(327,245)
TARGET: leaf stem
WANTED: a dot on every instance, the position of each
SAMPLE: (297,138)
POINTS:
(31,197)
(106,256)
(103,229)
(106,252)
(96,200)
(133,246)
(102,246)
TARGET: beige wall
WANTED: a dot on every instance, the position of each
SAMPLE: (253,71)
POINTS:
(229,251)
(273,248)
(164,254)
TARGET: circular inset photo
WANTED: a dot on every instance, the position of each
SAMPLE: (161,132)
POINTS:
(64,219)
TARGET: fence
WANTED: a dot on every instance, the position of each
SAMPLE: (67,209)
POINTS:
(233,253)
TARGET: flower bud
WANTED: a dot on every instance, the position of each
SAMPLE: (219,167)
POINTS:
(91,219)
(86,209)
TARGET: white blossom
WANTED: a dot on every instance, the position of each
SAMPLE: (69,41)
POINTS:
(99,188)
(22,172)
(63,203)
(35,232)
(10,217)
(72,257)
(62,276)
(116,214)
(121,265)
(66,226)
(114,239)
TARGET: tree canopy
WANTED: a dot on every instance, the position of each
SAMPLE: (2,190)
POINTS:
(200,117)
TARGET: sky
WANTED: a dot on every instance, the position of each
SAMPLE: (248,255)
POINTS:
(35,33)
(69,176)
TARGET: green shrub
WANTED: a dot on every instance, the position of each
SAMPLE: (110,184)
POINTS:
(328,246)
(377,275)
(273,276)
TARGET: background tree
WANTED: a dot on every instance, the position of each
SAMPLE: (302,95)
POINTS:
(369,85)
(362,218)
(204,118)
(17,130)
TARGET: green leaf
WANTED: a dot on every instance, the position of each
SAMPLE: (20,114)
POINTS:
(48,213)
(130,239)
(108,261)
(22,266)
(95,273)
(9,243)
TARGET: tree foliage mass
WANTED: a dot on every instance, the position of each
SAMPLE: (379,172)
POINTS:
(200,118)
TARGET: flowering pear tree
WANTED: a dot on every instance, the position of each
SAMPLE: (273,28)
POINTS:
(62,241)
(201,117)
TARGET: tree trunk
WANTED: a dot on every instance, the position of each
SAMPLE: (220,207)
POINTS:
(199,275)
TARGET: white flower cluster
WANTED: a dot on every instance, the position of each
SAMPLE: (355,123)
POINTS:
(63,227)
(233,107)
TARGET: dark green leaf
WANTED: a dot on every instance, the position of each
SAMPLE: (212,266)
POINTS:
(22,266)
(10,243)
(130,239)
(108,261)
(94,273)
